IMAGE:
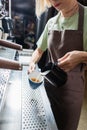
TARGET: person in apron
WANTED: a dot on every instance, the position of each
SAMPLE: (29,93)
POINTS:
(65,46)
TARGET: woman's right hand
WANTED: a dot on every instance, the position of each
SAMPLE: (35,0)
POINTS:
(32,67)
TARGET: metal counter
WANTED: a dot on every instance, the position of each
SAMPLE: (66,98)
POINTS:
(24,108)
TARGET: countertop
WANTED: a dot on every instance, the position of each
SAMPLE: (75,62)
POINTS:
(23,108)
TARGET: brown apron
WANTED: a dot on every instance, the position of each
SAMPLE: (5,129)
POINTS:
(66,101)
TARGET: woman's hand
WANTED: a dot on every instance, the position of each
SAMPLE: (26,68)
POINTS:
(37,54)
(70,60)
(31,68)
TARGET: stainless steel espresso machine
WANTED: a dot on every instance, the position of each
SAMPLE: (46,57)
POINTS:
(21,107)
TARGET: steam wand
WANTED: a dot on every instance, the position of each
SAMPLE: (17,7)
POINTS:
(10,64)
(7,63)
(10,44)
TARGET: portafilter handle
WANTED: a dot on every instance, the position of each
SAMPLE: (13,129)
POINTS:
(10,44)
(10,64)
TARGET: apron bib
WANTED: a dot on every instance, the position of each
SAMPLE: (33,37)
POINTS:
(66,101)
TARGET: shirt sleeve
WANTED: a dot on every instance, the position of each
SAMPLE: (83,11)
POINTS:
(42,42)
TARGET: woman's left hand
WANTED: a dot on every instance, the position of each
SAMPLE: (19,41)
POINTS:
(70,60)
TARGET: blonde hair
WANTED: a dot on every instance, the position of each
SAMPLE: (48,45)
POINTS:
(41,6)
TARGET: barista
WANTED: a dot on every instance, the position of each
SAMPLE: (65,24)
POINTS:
(65,37)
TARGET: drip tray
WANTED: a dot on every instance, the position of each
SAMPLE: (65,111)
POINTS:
(36,111)
(24,108)
(4,76)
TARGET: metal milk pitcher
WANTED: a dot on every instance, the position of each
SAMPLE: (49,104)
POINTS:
(54,74)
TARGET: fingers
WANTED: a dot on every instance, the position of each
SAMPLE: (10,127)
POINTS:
(63,58)
(63,62)
(31,68)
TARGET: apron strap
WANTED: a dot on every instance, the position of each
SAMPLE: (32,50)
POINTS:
(81,17)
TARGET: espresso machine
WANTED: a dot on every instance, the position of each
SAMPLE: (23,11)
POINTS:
(21,107)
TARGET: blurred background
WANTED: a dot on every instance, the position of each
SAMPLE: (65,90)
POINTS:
(19,21)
